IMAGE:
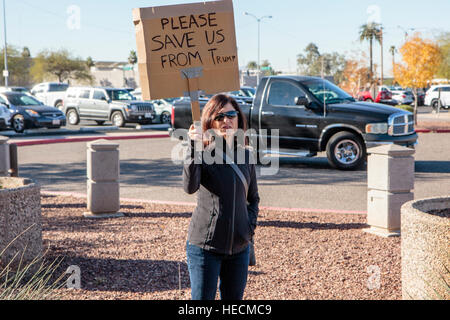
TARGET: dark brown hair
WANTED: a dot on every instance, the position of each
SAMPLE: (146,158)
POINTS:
(213,107)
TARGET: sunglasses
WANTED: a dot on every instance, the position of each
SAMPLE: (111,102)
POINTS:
(229,115)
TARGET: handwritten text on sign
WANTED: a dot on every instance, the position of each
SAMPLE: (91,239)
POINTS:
(203,26)
(175,40)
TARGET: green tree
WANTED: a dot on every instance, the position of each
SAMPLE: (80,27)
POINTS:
(26,52)
(309,62)
(18,67)
(313,63)
(267,69)
(370,32)
(132,58)
(62,65)
(252,65)
(89,62)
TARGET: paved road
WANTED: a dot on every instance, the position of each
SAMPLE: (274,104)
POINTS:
(147,172)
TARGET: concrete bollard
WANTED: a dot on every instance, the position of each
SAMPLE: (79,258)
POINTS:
(103,196)
(4,157)
(390,181)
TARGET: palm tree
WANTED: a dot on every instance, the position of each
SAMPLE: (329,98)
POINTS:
(370,32)
(392,50)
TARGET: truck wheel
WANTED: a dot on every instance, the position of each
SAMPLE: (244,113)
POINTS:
(72,117)
(118,119)
(345,151)
(18,123)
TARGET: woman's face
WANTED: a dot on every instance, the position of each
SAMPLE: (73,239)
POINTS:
(227,125)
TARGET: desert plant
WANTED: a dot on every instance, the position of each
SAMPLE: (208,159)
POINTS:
(34,280)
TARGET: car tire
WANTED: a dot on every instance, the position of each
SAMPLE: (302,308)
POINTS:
(368,100)
(72,117)
(435,105)
(165,117)
(100,122)
(117,119)
(346,151)
(59,105)
(18,123)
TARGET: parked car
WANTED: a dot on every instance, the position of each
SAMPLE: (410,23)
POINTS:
(106,104)
(50,93)
(163,109)
(432,96)
(15,89)
(313,115)
(403,96)
(5,115)
(240,95)
(27,112)
(384,96)
(249,91)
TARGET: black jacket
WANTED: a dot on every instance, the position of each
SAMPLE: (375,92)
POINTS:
(225,218)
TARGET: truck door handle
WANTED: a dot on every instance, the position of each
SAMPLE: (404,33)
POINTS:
(267,113)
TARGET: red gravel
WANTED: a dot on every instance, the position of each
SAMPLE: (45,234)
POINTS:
(142,256)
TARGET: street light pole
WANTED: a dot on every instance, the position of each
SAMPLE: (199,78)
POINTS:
(259,40)
(5,72)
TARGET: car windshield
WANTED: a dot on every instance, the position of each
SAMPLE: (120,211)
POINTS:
(249,92)
(23,100)
(326,92)
(121,95)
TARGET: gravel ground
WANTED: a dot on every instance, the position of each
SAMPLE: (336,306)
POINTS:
(142,256)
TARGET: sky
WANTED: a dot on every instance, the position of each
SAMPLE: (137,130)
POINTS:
(104,30)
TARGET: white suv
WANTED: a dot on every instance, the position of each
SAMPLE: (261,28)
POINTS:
(432,96)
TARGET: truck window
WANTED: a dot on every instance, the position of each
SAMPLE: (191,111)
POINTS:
(84,94)
(283,93)
(53,87)
(98,95)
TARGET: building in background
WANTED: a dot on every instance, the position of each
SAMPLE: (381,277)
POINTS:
(115,74)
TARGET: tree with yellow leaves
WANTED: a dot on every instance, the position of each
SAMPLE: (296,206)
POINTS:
(421,59)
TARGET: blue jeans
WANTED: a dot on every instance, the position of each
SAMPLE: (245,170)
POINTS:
(206,267)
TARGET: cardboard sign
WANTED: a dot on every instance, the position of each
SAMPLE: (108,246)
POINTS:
(179,43)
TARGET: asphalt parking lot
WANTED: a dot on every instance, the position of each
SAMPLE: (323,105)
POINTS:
(147,172)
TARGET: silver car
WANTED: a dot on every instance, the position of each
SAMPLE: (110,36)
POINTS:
(403,96)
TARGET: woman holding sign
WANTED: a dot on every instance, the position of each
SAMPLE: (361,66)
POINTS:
(224,221)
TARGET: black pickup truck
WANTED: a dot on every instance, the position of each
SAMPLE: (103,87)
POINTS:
(314,115)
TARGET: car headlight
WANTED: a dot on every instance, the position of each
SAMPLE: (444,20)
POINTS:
(32,113)
(377,128)
(132,108)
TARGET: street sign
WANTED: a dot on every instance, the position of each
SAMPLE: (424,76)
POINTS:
(6,73)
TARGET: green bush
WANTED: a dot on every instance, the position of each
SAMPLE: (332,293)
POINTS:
(406,107)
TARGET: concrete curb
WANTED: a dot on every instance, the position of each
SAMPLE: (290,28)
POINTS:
(87,139)
(193,204)
(432,130)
